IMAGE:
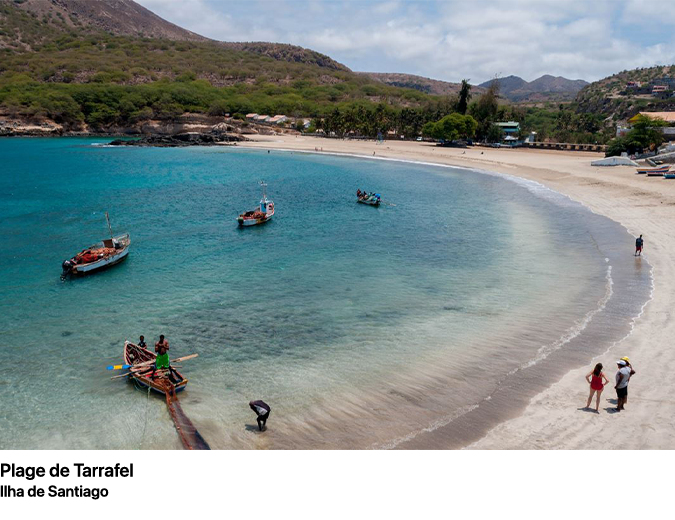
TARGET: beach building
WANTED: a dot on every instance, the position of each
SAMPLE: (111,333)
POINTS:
(252,116)
(509,127)
(659,89)
(633,84)
(262,118)
(277,120)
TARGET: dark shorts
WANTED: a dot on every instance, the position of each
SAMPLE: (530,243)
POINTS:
(622,392)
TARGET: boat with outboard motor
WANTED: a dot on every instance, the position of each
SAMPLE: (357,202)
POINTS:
(104,254)
(259,215)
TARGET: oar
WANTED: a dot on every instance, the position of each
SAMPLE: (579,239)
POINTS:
(147,363)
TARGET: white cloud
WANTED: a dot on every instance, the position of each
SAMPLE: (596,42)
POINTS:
(447,40)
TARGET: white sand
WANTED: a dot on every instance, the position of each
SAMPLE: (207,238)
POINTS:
(643,205)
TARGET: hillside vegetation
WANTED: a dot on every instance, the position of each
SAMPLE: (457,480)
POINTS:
(612,98)
(52,67)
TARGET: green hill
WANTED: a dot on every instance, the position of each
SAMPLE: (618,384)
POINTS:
(622,95)
(74,62)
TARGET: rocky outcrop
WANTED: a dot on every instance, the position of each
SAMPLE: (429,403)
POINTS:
(184,139)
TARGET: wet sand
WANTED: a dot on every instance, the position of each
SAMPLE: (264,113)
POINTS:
(555,419)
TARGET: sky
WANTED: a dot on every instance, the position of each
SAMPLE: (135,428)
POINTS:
(449,40)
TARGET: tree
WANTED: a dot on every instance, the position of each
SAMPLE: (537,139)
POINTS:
(464,97)
(485,110)
(643,134)
(451,127)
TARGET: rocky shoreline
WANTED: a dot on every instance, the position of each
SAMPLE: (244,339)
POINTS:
(183,139)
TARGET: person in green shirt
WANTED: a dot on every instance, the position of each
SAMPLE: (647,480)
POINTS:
(162,361)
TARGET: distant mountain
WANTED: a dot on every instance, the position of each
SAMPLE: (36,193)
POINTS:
(545,88)
(427,85)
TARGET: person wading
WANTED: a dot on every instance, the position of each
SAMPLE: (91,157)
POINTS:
(262,410)
(639,244)
(595,379)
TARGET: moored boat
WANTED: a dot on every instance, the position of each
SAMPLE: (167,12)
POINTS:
(371,199)
(259,215)
(164,381)
(101,255)
(654,172)
(669,175)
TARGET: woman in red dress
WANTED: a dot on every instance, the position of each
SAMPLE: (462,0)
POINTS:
(595,379)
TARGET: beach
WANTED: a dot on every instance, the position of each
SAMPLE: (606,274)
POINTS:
(555,418)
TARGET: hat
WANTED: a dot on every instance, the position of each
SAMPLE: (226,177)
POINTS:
(621,362)
(625,358)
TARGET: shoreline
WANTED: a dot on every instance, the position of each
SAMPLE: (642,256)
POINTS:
(553,419)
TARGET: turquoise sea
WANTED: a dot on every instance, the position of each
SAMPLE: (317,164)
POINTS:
(417,324)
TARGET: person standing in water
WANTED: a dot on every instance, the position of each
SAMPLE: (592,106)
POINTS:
(262,410)
(639,243)
(595,380)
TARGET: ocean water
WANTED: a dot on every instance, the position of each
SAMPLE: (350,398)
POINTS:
(420,323)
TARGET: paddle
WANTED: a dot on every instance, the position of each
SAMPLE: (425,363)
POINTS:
(146,363)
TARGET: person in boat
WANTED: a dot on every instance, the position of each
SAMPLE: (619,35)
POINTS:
(141,342)
(639,243)
(358,194)
(262,410)
(162,361)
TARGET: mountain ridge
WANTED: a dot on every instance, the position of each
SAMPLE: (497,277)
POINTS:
(546,87)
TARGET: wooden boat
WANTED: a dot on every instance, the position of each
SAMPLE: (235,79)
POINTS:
(372,199)
(102,255)
(654,172)
(164,382)
(669,175)
(259,215)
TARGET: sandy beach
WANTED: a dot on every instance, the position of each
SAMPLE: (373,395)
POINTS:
(554,419)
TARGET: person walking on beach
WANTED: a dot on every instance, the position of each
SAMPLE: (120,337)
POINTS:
(622,377)
(639,243)
(262,410)
(595,379)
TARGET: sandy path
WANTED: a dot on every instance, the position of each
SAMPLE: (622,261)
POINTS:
(643,205)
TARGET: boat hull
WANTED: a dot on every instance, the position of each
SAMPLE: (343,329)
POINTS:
(100,265)
(133,354)
(369,202)
(669,176)
(653,172)
(245,222)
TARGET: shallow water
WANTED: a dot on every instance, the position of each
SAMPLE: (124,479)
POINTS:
(361,326)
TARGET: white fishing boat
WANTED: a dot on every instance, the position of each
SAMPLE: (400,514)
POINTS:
(259,215)
(101,255)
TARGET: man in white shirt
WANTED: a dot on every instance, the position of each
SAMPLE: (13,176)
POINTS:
(621,386)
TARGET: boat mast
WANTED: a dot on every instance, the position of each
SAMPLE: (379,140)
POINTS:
(109,228)
(264,187)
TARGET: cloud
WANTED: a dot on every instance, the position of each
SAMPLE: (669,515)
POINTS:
(447,39)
